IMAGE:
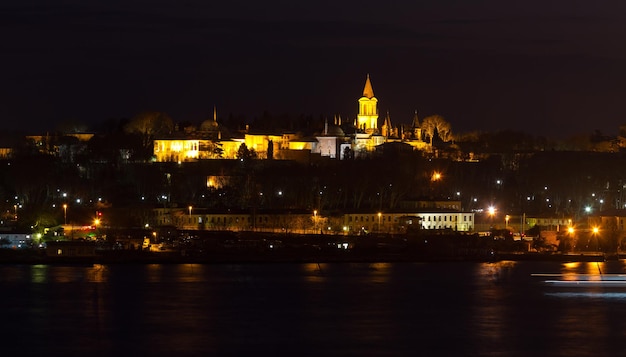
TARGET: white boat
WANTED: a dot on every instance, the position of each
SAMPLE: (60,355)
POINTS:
(584,280)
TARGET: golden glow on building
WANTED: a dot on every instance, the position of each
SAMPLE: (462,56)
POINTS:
(300,145)
(367,119)
(261,142)
(176,150)
(332,143)
(217,182)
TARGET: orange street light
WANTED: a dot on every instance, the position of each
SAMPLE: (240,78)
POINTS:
(65,213)
(190,208)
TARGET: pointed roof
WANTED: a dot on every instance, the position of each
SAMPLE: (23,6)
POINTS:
(387,121)
(416,121)
(368,91)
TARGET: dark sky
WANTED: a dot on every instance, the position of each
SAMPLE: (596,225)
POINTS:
(544,67)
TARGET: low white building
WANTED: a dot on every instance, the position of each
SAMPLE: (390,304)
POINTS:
(14,240)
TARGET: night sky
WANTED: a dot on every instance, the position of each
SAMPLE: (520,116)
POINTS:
(553,68)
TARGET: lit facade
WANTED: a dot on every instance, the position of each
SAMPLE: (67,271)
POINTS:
(333,143)
(392,222)
(367,119)
(349,223)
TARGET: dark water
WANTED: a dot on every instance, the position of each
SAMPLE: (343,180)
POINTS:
(398,309)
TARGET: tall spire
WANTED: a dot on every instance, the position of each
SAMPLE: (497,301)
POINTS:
(215,113)
(368,91)
(416,121)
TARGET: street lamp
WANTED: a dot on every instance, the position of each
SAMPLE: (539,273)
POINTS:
(492,211)
(65,213)
(190,208)
(379,215)
(314,221)
(506,221)
(595,231)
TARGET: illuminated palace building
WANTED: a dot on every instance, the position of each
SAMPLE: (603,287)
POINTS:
(336,141)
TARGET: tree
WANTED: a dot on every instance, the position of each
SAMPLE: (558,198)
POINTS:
(4,241)
(244,153)
(270,150)
(149,124)
(437,123)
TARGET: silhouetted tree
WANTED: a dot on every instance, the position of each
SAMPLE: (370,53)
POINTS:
(437,123)
(149,124)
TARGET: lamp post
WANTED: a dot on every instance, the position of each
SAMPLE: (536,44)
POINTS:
(492,212)
(314,221)
(96,223)
(379,216)
(65,213)
(190,208)
(506,221)
(595,231)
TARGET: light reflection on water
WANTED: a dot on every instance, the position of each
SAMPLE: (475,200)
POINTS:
(381,309)
(589,294)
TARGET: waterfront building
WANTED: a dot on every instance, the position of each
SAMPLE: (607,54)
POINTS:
(16,240)
(302,221)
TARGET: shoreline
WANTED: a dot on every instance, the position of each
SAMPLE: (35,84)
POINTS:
(142,257)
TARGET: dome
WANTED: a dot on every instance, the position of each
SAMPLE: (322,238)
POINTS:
(334,130)
(209,125)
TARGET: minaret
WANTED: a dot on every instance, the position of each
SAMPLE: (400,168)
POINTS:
(367,119)
(386,128)
(417,129)
(416,121)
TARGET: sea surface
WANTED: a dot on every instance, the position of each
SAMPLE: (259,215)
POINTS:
(340,309)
